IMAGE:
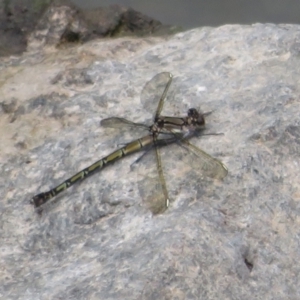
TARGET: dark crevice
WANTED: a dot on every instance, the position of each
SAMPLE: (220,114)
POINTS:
(249,264)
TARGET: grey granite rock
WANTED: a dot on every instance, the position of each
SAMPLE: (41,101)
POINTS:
(231,239)
(34,25)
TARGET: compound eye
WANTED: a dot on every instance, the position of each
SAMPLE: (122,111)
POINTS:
(192,112)
(196,117)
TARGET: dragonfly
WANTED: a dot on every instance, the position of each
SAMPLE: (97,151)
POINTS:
(164,131)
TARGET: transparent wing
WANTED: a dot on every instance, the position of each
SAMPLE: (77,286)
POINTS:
(124,129)
(115,122)
(155,91)
(201,161)
(178,157)
(151,181)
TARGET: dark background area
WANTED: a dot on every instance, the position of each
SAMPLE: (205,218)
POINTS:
(196,13)
(20,18)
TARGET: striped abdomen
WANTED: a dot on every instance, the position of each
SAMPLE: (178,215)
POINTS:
(132,147)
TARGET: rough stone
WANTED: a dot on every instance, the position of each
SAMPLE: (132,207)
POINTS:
(231,239)
(34,25)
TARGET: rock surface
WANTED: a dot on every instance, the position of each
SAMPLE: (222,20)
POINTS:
(231,239)
(29,25)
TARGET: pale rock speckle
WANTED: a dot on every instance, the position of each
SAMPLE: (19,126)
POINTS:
(231,239)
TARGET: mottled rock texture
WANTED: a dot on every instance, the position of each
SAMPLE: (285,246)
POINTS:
(31,25)
(231,239)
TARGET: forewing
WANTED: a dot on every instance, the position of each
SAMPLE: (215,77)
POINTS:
(126,128)
(155,91)
(115,122)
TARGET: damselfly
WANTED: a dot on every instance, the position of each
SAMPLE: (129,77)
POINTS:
(163,132)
